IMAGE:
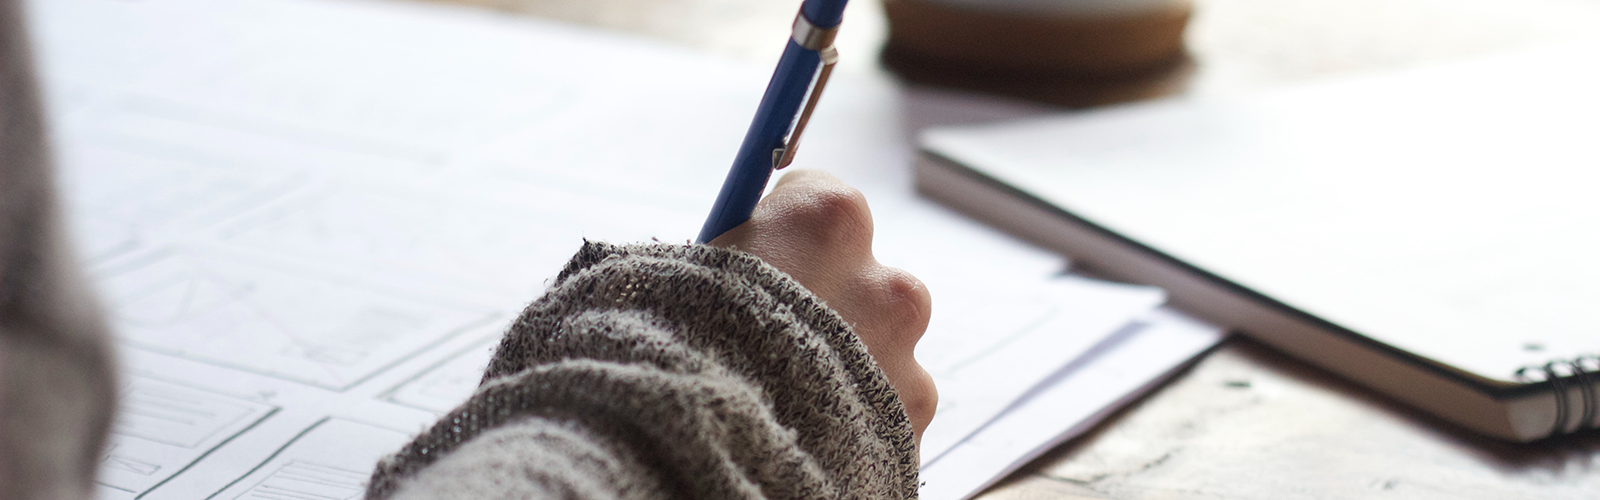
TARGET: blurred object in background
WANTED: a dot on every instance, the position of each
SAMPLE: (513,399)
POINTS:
(1074,53)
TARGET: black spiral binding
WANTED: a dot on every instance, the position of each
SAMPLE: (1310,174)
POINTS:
(1585,373)
(1590,380)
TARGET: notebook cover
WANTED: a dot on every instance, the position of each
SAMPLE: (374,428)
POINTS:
(1449,211)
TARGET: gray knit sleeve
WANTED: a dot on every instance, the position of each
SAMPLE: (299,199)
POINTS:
(665,371)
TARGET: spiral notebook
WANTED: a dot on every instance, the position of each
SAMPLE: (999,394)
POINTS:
(1431,233)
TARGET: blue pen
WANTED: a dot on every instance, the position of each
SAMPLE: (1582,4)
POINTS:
(771,141)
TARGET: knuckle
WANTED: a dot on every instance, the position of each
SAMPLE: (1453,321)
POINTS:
(921,399)
(838,210)
(907,302)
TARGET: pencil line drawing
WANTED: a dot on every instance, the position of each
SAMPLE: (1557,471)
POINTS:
(164,427)
(298,480)
(125,193)
(179,418)
(273,456)
(329,460)
(452,240)
(290,325)
(118,462)
(447,383)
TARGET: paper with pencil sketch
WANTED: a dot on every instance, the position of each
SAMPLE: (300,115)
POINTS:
(309,234)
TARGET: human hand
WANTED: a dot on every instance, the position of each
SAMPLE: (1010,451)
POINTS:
(819,231)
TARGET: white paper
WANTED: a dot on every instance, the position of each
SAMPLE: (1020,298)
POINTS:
(164,426)
(274,321)
(331,459)
(445,385)
(988,347)
(310,220)
(1079,395)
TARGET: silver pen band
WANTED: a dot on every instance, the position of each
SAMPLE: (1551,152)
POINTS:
(810,36)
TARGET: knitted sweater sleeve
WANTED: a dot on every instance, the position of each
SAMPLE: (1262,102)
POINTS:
(664,371)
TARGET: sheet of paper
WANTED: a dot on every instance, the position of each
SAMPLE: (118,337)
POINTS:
(1118,370)
(988,347)
(164,426)
(190,426)
(330,459)
(310,220)
(444,385)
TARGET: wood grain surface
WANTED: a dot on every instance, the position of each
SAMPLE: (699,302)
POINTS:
(1250,423)
(1246,422)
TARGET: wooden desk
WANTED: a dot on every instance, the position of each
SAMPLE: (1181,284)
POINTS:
(1246,422)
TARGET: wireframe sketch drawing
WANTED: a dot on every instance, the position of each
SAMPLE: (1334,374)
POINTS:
(162,427)
(256,318)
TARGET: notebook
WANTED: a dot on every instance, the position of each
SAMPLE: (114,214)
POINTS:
(1430,233)
(308,236)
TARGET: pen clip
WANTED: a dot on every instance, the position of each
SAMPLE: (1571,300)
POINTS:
(783,156)
(809,37)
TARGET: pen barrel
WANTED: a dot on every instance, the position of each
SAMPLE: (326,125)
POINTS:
(823,13)
(753,166)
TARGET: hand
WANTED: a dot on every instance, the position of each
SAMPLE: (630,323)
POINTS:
(819,231)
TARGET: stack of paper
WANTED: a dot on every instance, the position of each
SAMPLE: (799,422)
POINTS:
(310,221)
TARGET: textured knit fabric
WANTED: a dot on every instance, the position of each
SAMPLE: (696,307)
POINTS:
(662,371)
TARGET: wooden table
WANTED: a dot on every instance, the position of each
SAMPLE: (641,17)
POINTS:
(1246,422)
